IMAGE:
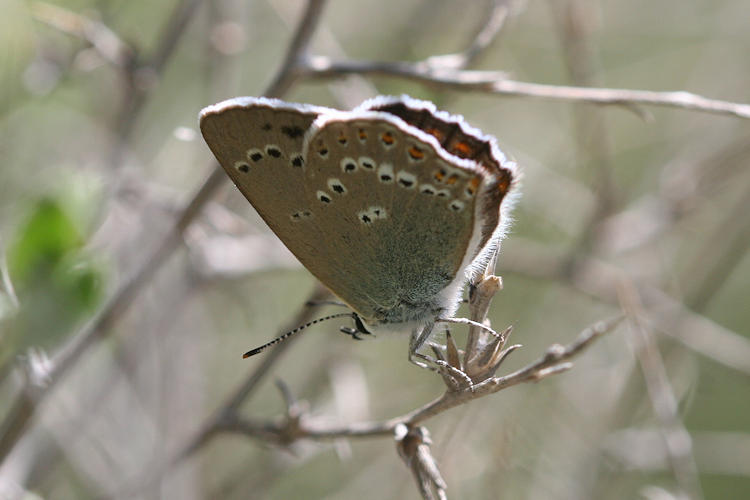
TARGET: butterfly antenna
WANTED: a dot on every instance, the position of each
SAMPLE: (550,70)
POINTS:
(288,334)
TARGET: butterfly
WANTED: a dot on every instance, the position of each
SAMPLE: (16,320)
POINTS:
(393,206)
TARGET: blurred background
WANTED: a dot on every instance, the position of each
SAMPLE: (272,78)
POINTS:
(118,360)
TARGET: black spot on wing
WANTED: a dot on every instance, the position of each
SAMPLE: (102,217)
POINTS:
(293,132)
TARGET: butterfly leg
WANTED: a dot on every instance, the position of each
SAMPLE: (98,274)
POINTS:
(359,328)
(418,339)
(352,332)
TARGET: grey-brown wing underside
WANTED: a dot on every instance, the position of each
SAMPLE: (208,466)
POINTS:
(259,143)
(395,217)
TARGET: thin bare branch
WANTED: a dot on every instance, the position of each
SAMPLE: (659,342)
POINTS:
(143,76)
(104,40)
(676,437)
(553,362)
(298,49)
(711,265)
(724,453)
(170,35)
(599,279)
(413,444)
(7,284)
(495,82)
(490,29)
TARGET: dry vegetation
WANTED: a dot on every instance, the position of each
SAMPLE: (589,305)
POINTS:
(132,278)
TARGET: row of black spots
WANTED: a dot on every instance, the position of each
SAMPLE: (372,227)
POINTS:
(350,165)
(408,181)
(373,213)
(430,190)
(256,155)
(336,187)
(301,215)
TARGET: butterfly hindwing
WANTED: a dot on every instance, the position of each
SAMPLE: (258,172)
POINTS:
(398,214)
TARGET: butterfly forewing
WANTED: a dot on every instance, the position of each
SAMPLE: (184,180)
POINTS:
(259,143)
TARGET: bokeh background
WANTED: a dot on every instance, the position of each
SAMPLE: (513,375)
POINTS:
(100,153)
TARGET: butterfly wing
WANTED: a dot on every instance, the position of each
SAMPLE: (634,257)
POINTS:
(463,141)
(259,142)
(371,204)
(398,214)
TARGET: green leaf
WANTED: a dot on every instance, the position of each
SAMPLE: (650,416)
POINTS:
(56,281)
(46,238)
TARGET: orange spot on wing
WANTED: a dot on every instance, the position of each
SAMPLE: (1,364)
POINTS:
(387,138)
(462,149)
(435,133)
(473,185)
(504,184)
(416,153)
(452,179)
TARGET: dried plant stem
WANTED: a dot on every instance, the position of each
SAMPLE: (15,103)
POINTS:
(677,440)
(554,361)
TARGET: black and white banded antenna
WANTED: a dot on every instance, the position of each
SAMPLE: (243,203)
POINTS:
(288,334)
